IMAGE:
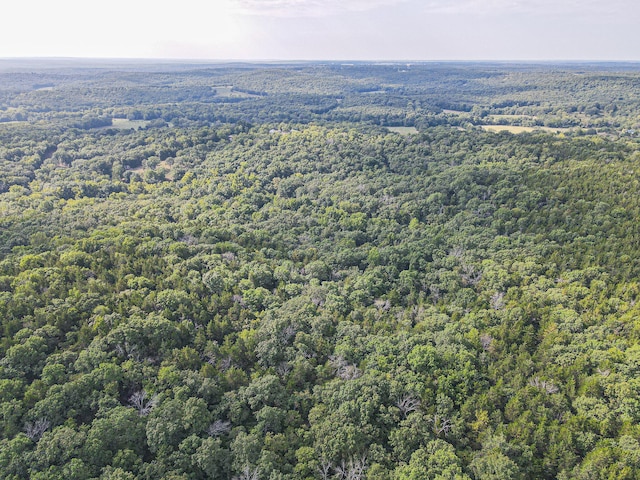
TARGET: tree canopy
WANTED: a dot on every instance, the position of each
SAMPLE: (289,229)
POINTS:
(260,280)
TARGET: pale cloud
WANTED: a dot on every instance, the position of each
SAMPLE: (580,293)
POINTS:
(308,8)
(470,6)
(324,29)
(531,7)
(322,8)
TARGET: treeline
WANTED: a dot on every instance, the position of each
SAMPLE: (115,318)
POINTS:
(557,96)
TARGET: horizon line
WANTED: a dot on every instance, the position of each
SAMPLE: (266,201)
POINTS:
(302,60)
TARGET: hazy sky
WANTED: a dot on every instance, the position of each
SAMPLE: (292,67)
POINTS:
(324,29)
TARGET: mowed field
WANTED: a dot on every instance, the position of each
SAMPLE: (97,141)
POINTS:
(403,130)
(228,91)
(517,129)
(14,122)
(126,124)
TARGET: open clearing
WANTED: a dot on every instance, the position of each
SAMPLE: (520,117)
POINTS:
(403,130)
(168,167)
(126,124)
(228,91)
(14,122)
(455,112)
(497,118)
(224,91)
(515,129)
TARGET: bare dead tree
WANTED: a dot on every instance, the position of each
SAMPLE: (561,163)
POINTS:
(486,340)
(411,314)
(128,351)
(288,332)
(211,359)
(470,275)
(152,359)
(35,430)
(381,304)
(497,301)
(387,199)
(548,387)
(325,468)
(408,404)
(218,428)
(341,470)
(353,469)
(189,239)
(248,473)
(358,467)
(133,352)
(435,293)
(337,362)
(349,372)
(306,352)
(343,369)
(283,369)
(142,403)
(226,363)
(228,256)
(239,300)
(441,425)
(120,350)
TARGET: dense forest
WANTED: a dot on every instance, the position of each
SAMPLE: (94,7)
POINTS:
(319,271)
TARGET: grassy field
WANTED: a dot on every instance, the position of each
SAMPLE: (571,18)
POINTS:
(403,130)
(227,91)
(14,122)
(512,117)
(515,129)
(224,91)
(168,167)
(126,124)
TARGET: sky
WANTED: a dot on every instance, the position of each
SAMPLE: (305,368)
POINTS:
(323,29)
